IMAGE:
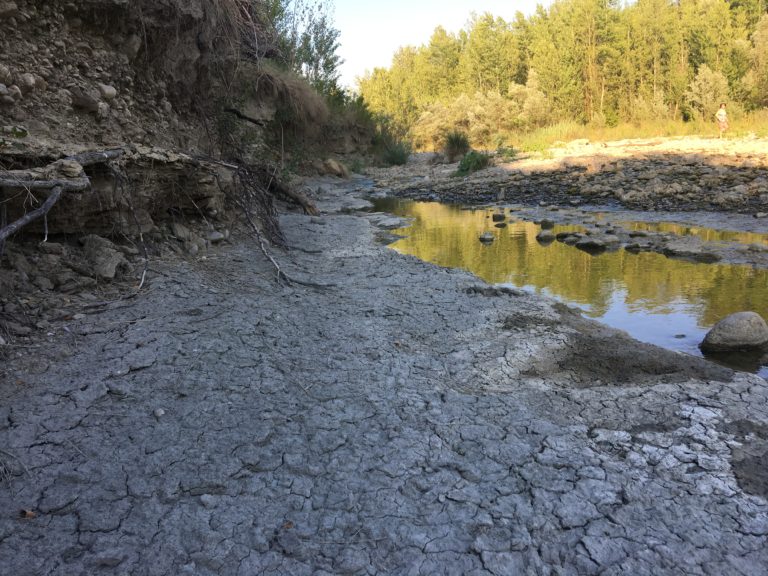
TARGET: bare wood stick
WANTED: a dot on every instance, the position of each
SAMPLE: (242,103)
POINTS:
(14,227)
(72,185)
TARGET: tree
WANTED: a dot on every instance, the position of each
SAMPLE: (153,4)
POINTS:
(490,57)
(706,92)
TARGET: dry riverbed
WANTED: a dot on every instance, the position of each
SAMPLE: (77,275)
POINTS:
(385,417)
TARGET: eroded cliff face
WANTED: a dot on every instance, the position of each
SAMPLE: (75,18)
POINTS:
(107,72)
(146,77)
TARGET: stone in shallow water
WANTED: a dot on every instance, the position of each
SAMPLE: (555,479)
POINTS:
(545,237)
(486,237)
(591,245)
(739,331)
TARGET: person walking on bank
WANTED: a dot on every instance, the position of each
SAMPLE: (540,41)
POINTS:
(722,119)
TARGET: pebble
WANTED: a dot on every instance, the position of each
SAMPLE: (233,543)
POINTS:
(159,412)
(107,92)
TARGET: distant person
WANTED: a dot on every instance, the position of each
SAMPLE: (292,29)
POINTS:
(722,119)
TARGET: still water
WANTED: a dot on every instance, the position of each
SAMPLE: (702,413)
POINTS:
(667,302)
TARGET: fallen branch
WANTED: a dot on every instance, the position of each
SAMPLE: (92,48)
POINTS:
(306,204)
(245,117)
(67,185)
(14,227)
(29,179)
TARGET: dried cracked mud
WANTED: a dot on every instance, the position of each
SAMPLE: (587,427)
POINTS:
(397,418)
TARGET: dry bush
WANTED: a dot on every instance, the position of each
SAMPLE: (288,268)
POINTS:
(300,107)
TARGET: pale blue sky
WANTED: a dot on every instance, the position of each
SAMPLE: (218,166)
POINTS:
(371,31)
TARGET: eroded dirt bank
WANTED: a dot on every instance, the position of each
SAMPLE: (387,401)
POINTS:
(395,419)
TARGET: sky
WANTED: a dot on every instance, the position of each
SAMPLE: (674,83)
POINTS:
(371,31)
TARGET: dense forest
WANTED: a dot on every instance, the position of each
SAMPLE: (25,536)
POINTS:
(596,62)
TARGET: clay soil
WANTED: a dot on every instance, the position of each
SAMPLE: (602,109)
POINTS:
(379,415)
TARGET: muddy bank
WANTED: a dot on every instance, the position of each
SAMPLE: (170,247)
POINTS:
(393,418)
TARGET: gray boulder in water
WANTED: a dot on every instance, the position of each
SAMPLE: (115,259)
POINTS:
(739,331)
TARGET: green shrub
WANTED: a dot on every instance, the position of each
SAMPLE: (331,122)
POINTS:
(506,153)
(472,162)
(396,153)
(357,166)
(456,145)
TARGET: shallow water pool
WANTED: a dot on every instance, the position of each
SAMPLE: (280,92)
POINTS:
(667,302)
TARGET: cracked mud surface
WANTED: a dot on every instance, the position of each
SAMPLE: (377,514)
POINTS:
(402,420)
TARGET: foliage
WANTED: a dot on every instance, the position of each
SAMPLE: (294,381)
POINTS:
(306,40)
(600,64)
(456,145)
(506,153)
(395,153)
(472,162)
(706,92)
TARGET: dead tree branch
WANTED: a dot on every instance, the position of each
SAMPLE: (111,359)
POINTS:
(14,227)
(67,185)
(40,180)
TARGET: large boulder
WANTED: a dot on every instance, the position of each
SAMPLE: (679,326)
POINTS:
(739,331)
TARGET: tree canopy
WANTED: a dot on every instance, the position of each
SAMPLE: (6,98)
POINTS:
(595,61)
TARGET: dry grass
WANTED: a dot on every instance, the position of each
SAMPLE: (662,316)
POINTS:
(301,105)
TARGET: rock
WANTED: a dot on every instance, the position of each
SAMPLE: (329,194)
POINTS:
(27,82)
(547,224)
(19,263)
(689,248)
(68,168)
(107,92)
(545,237)
(14,92)
(105,258)
(591,245)
(2,342)
(8,10)
(739,331)
(42,282)
(5,75)
(84,100)
(181,232)
(486,237)
(761,214)
(496,217)
(52,248)
(214,237)
(336,168)
(132,46)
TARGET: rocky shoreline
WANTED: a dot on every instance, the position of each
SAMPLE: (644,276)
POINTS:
(665,174)
(380,416)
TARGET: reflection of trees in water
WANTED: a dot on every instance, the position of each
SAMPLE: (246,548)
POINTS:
(448,236)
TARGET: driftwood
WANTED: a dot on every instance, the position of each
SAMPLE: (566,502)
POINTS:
(39,179)
(306,204)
